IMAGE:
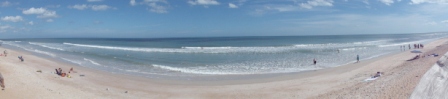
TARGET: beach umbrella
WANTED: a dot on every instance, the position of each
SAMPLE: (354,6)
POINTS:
(416,51)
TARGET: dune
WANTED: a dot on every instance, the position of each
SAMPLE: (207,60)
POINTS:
(433,84)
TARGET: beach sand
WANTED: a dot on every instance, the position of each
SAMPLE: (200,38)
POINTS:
(398,81)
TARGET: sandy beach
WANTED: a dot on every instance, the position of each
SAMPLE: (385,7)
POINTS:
(398,81)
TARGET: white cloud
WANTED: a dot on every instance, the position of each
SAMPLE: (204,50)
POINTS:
(41,12)
(387,2)
(203,2)
(34,11)
(429,1)
(357,24)
(313,3)
(94,0)
(365,2)
(239,3)
(12,18)
(157,6)
(164,1)
(49,20)
(284,8)
(431,23)
(52,6)
(93,7)
(31,23)
(100,7)
(231,5)
(5,28)
(445,21)
(49,14)
(97,22)
(79,7)
(132,2)
(5,4)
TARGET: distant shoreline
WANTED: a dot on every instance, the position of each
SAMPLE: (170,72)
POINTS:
(215,36)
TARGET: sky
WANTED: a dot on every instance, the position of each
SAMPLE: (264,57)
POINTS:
(212,18)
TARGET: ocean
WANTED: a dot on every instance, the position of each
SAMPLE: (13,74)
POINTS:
(212,56)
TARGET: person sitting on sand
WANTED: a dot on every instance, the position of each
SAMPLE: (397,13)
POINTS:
(2,82)
(71,70)
(21,58)
(57,72)
(416,57)
(378,74)
(60,71)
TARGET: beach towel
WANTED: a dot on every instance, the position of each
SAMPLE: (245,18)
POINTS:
(370,79)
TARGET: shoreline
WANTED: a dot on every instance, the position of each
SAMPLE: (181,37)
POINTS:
(22,78)
(228,79)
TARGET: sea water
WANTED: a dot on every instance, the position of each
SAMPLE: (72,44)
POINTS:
(210,56)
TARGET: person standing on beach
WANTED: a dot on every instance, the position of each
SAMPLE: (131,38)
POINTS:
(314,60)
(2,82)
(4,52)
(357,58)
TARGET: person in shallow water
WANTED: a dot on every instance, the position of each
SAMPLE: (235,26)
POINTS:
(357,58)
(314,60)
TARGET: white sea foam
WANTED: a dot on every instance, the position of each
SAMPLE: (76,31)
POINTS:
(44,52)
(224,49)
(91,61)
(375,42)
(231,70)
(406,43)
(72,61)
(192,71)
(230,49)
(31,49)
(353,48)
(192,49)
(14,44)
(46,46)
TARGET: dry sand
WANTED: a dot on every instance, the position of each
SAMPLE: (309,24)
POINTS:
(399,80)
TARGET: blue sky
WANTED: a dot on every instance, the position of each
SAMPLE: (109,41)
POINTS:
(204,18)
